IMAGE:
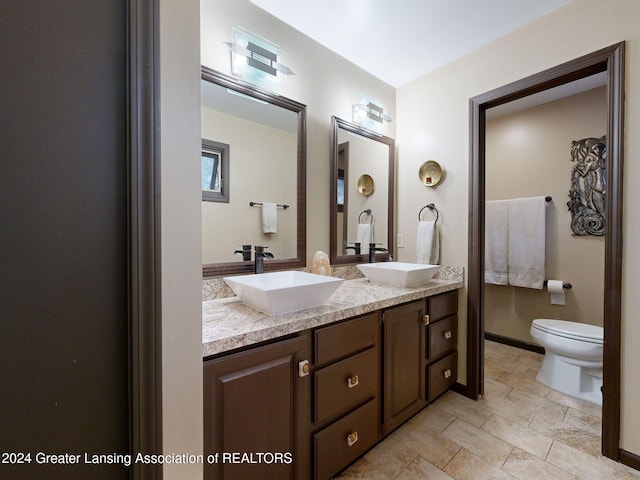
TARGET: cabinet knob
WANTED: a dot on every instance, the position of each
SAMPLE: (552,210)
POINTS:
(303,368)
(447,373)
(352,381)
(352,438)
(425,319)
(447,334)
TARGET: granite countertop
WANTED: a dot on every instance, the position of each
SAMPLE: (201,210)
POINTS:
(229,324)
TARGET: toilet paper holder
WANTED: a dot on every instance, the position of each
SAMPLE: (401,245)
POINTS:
(566,286)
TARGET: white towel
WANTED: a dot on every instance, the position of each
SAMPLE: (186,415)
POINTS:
(269,217)
(496,242)
(428,243)
(365,236)
(527,227)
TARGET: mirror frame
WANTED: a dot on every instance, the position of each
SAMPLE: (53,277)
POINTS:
(224,268)
(336,125)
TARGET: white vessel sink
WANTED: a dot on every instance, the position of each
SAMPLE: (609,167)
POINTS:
(283,292)
(398,274)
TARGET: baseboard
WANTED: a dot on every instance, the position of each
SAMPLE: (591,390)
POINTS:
(630,459)
(461,389)
(532,347)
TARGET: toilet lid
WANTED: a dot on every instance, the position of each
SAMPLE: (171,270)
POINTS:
(580,331)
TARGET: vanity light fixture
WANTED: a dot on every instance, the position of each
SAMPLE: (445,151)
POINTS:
(257,61)
(370,113)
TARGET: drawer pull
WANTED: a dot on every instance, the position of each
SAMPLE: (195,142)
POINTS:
(303,368)
(447,334)
(352,438)
(447,373)
(425,319)
(353,381)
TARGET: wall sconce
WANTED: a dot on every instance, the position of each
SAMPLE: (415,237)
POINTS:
(257,61)
(370,113)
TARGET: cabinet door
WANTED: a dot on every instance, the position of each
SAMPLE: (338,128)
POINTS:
(254,404)
(404,337)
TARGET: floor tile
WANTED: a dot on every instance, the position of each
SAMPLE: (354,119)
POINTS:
(420,469)
(525,466)
(468,410)
(433,418)
(518,435)
(478,442)
(428,444)
(391,456)
(467,466)
(362,470)
(507,408)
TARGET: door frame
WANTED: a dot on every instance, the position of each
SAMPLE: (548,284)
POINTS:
(145,326)
(611,61)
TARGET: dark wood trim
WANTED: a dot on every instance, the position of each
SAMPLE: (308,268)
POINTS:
(613,254)
(144,236)
(460,388)
(336,124)
(611,60)
(513,342)
(629,459)
(224,268)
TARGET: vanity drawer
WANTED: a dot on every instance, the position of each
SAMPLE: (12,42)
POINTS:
(443,305)
(442,337)
(441,375)
(338,341)
(338,445)
(345,384)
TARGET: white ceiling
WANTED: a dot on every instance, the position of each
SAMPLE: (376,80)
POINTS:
(401,40)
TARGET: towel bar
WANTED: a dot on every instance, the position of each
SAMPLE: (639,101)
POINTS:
(253,204)
(431,207)
(368,212)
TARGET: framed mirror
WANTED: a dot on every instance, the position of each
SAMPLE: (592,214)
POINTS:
(263,164)
(362,193)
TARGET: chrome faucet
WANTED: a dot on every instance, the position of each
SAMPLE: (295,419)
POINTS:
(245,252)
(260,255)
(372,252)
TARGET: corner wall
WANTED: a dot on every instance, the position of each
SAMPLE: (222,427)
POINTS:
(433,123)
(181,237)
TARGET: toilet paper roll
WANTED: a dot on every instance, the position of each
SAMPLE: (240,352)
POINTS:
(556,291)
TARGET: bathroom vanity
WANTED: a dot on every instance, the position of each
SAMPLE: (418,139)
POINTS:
(303,395)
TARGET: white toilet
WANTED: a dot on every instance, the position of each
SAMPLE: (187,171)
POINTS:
(573,357)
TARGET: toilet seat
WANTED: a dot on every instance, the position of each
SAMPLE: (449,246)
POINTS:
(573,330)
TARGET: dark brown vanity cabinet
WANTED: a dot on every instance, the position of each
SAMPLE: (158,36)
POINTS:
(346,398)
(403,361)
(323,398)
(441,358)
(255,405)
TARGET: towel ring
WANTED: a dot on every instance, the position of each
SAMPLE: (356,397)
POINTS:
(431,207)
(368,212)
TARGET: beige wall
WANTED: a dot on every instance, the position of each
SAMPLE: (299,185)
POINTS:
(324,81)
(528,154)
(180,237)
(433,122)
(261,170)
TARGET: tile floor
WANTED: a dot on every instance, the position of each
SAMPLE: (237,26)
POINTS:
(520,430)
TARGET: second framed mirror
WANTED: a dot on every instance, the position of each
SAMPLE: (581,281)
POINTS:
(362,194)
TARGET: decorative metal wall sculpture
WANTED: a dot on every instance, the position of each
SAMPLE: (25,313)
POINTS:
(588,186)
